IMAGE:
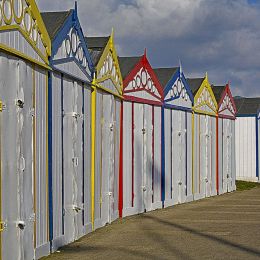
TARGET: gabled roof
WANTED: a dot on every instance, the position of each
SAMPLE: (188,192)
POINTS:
(127,64)
(164,75)
(54,21)
(195,84)
(247,106)
(218,90)
(96,46)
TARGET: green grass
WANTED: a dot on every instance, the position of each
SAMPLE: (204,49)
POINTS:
(244,185)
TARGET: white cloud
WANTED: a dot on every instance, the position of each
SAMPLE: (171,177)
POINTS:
(221,37)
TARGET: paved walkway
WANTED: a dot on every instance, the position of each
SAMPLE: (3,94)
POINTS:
(224,227)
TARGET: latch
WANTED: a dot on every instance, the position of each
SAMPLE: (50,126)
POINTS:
(76,208)
(19,103)
(75,161)
(75,115)
(143,130)
(110,194)
(179,133)
(206,180)
(21,224)
(180,183)
(228,176)
(143,188)
(111,126)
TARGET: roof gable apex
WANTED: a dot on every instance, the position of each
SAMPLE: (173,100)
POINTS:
(142,79)
(205,98)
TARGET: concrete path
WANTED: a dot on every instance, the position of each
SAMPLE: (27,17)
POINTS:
(224,227)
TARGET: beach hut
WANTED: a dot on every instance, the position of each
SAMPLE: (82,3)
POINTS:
(204,138)
(226,159)
(141,137)
(177,136)
(247,139)
(24,50)
(69,129)
(106,109)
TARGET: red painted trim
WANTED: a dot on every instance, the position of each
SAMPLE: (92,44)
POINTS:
(142,89)
(217,141)
(120,201)
(143,101)
(153,154)
(133,152)
(227,91)
(227,117)
(144,63)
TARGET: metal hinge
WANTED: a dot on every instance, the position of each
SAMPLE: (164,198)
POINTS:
(3,226)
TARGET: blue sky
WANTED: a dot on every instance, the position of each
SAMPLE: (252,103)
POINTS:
(221,37)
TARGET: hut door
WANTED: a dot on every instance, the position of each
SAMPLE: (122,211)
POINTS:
(72,127)
(148,157)
(229,155)
(176,156)
(107,159)
(16,196)
(138,156)
(207,176)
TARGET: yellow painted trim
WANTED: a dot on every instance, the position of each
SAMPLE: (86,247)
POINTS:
(107,77)
(93,144)
(108,91)
(196,108)
(193,153)
(47,158)
(110,49)
(23,56)
(34,154)
(42,29)
(28,39)
(1,106)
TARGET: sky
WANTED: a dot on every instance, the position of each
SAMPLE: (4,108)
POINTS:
(221,37)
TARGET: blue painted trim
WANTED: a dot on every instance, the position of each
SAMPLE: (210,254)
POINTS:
(163,157)
(171,142)
(83,158)
(186,109)
(73,77)
(72,22)
(62,156)
(246,115)
(178,74)
(50,186)
(186,152)
(67,60)
(257,148)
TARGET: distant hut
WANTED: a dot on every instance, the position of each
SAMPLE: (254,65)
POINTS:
(106,112)
(141,137)
(247,139)
(177,136)
(226,159)
(204,138)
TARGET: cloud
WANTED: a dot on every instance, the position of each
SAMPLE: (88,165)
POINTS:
(220,37)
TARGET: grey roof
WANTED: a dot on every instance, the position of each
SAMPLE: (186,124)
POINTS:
(96,46)
(195,84)
(164,75)
(54,21)
(218,90)
(127,64)
(247,106)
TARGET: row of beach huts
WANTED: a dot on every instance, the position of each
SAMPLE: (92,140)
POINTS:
(87,137)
